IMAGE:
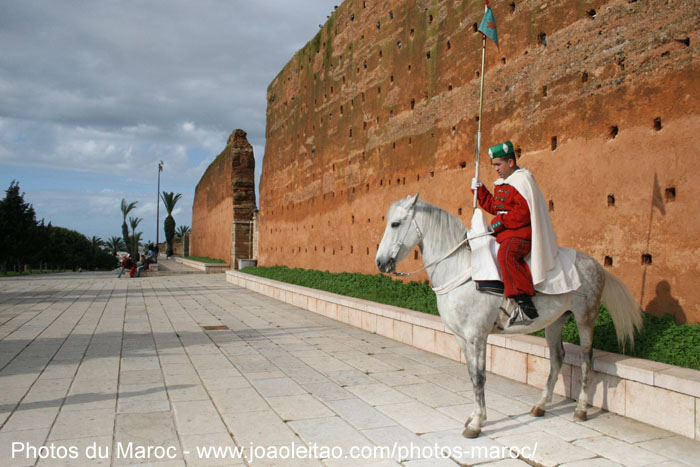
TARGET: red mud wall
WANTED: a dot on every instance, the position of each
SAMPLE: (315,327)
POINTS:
(224,202)
(599,97)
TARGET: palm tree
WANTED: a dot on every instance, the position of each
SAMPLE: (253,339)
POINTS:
(134,222)
(126,209)
(115,244)
(182,231)
(169,200)
(137,244)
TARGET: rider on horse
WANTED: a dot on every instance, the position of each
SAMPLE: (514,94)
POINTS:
(521,214)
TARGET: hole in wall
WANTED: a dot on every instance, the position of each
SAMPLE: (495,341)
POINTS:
(608,262)
(551,205)
(591,14)
(554,143)
(611,200)
(670,194)
(462,164)
(542,38)
(584,76)
(613,132)
(512,7)
(646,259)
(657,124)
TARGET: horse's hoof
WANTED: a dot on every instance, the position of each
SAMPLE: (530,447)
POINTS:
(537,411)
(466,424)
(580,415)
(469,433)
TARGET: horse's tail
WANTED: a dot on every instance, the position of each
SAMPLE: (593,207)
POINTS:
(623,308)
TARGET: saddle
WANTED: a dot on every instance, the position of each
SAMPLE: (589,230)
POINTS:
(490,287)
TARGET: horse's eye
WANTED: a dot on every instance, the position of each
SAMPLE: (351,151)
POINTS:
(395,224)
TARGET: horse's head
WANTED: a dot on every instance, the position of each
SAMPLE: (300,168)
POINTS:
(400,236)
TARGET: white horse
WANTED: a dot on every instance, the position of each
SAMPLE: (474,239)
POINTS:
(472,315)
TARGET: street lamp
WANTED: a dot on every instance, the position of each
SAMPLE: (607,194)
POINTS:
(160,169)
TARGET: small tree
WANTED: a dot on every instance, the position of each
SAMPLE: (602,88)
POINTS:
(115,245)
(126,209)
(18,228)
(134,246)
(182,231)
(169,201)
(96,244)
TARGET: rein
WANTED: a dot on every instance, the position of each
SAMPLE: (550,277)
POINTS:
(398,245)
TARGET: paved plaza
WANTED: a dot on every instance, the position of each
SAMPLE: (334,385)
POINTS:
(177,370)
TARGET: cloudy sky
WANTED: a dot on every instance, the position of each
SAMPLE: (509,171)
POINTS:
(94,93)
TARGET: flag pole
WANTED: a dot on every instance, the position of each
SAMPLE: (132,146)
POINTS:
(478,132)
(481,102)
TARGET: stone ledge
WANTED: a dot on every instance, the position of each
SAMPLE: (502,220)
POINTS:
(625,385)
(209,268)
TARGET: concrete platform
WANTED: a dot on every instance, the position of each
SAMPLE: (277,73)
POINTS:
(96,370)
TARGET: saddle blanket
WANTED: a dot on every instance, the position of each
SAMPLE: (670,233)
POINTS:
(562,278)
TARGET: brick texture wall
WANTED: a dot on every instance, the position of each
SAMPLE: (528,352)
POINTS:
(599,97)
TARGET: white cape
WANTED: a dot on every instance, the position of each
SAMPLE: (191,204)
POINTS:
(552,267)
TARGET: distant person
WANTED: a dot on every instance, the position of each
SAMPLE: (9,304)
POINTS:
(143,264)
(123,266)
(130,265)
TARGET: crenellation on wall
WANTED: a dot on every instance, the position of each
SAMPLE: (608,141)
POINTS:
(599,98)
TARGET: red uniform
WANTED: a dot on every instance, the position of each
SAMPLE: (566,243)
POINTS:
(513,233)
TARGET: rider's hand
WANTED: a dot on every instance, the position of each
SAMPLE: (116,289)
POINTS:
(476,183)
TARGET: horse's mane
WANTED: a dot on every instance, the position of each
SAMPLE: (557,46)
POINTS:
(448,230)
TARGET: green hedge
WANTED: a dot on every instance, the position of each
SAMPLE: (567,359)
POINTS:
(206,259)
(661,339)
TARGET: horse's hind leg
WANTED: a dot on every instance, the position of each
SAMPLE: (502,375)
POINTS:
(556,358)
(585,332)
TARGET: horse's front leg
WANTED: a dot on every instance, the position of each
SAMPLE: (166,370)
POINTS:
(474,349)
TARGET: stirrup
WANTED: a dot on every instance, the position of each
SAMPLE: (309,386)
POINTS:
(519,318)
(511,315)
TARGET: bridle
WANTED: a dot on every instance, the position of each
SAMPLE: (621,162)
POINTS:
(404,232)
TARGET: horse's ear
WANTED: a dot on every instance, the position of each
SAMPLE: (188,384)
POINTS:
(412,202)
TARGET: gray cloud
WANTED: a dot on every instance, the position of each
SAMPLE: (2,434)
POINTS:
(112,87)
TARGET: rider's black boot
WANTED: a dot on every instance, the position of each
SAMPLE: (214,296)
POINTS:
(525,302)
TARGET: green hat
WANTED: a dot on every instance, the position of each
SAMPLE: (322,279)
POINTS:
(501,150)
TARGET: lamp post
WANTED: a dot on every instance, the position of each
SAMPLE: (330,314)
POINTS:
(160,169)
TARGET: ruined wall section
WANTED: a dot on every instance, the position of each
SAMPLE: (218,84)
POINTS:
(224,202)
(599,97)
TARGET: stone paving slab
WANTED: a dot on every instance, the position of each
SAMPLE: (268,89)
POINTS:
(189,370)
